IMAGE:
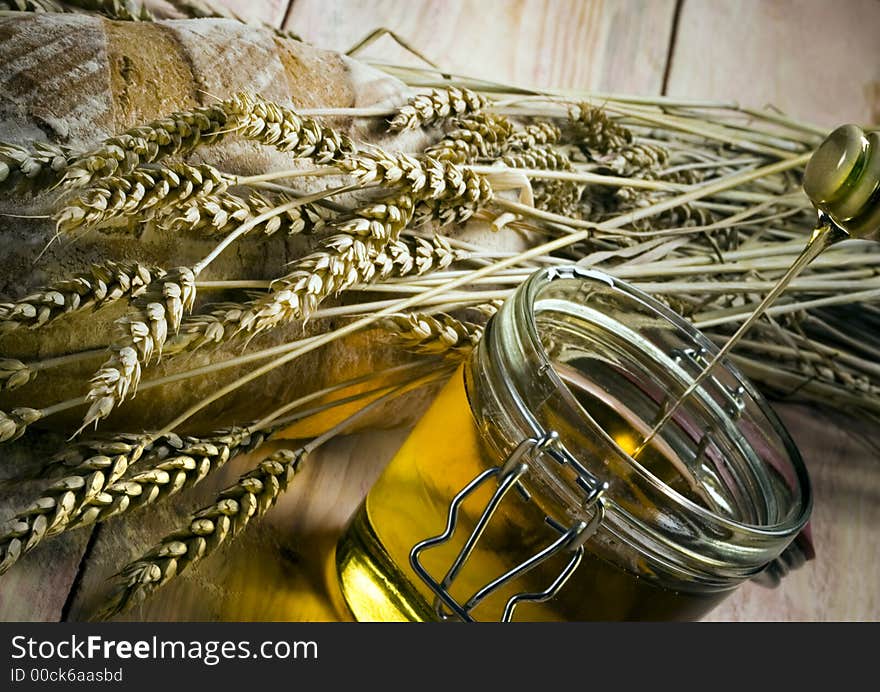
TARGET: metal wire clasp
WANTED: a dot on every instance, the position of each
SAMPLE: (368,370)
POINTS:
(508,476)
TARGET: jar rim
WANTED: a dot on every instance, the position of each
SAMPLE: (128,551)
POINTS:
(794,521)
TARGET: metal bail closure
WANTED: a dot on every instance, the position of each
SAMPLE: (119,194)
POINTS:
(571,539)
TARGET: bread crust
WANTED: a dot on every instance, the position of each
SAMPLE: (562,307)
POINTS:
(76,80)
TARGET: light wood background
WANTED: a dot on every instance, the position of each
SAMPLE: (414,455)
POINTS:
(813,59)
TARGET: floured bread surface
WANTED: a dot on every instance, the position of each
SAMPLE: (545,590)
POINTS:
(76,80)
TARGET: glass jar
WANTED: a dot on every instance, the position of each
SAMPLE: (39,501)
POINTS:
(516,496)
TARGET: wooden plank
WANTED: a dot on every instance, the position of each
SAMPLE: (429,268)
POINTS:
(815,60)
(598,45)
(841,583)
(820,62)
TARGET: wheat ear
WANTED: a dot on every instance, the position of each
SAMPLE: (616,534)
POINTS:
(178,134)
(44,160)
(592,128)
(96,287)
(96,487)
(343,260)
(558,197)
(545,157)
(63,500)
(615,144)
(32,5)
(443,190)
(401,257)
(434,335)
(218,215)
(255,492)
(14,423)
(182,463)
(277,125)
(14,374)
(123,10)
(436,106)
(555,196)
(482,135)
(140,335)
(534,135)
(252,496)
(138,193)
(466,194)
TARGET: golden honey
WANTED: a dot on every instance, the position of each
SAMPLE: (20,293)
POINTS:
(714,498)
(409,503)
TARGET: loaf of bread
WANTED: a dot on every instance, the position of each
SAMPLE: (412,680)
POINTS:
(74,80)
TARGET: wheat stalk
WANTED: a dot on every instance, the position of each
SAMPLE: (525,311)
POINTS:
(345,261)
(174,464)
(14,374)
(43,160)
(96,287)
(141,334)
(145,332)
(306,218)
(63,500)
(434,335)
(253,495)
(436,106)
(139,192)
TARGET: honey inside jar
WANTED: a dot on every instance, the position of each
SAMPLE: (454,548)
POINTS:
(409,502)
(599,395)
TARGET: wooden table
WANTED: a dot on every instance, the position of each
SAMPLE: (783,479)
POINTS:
(813,59)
